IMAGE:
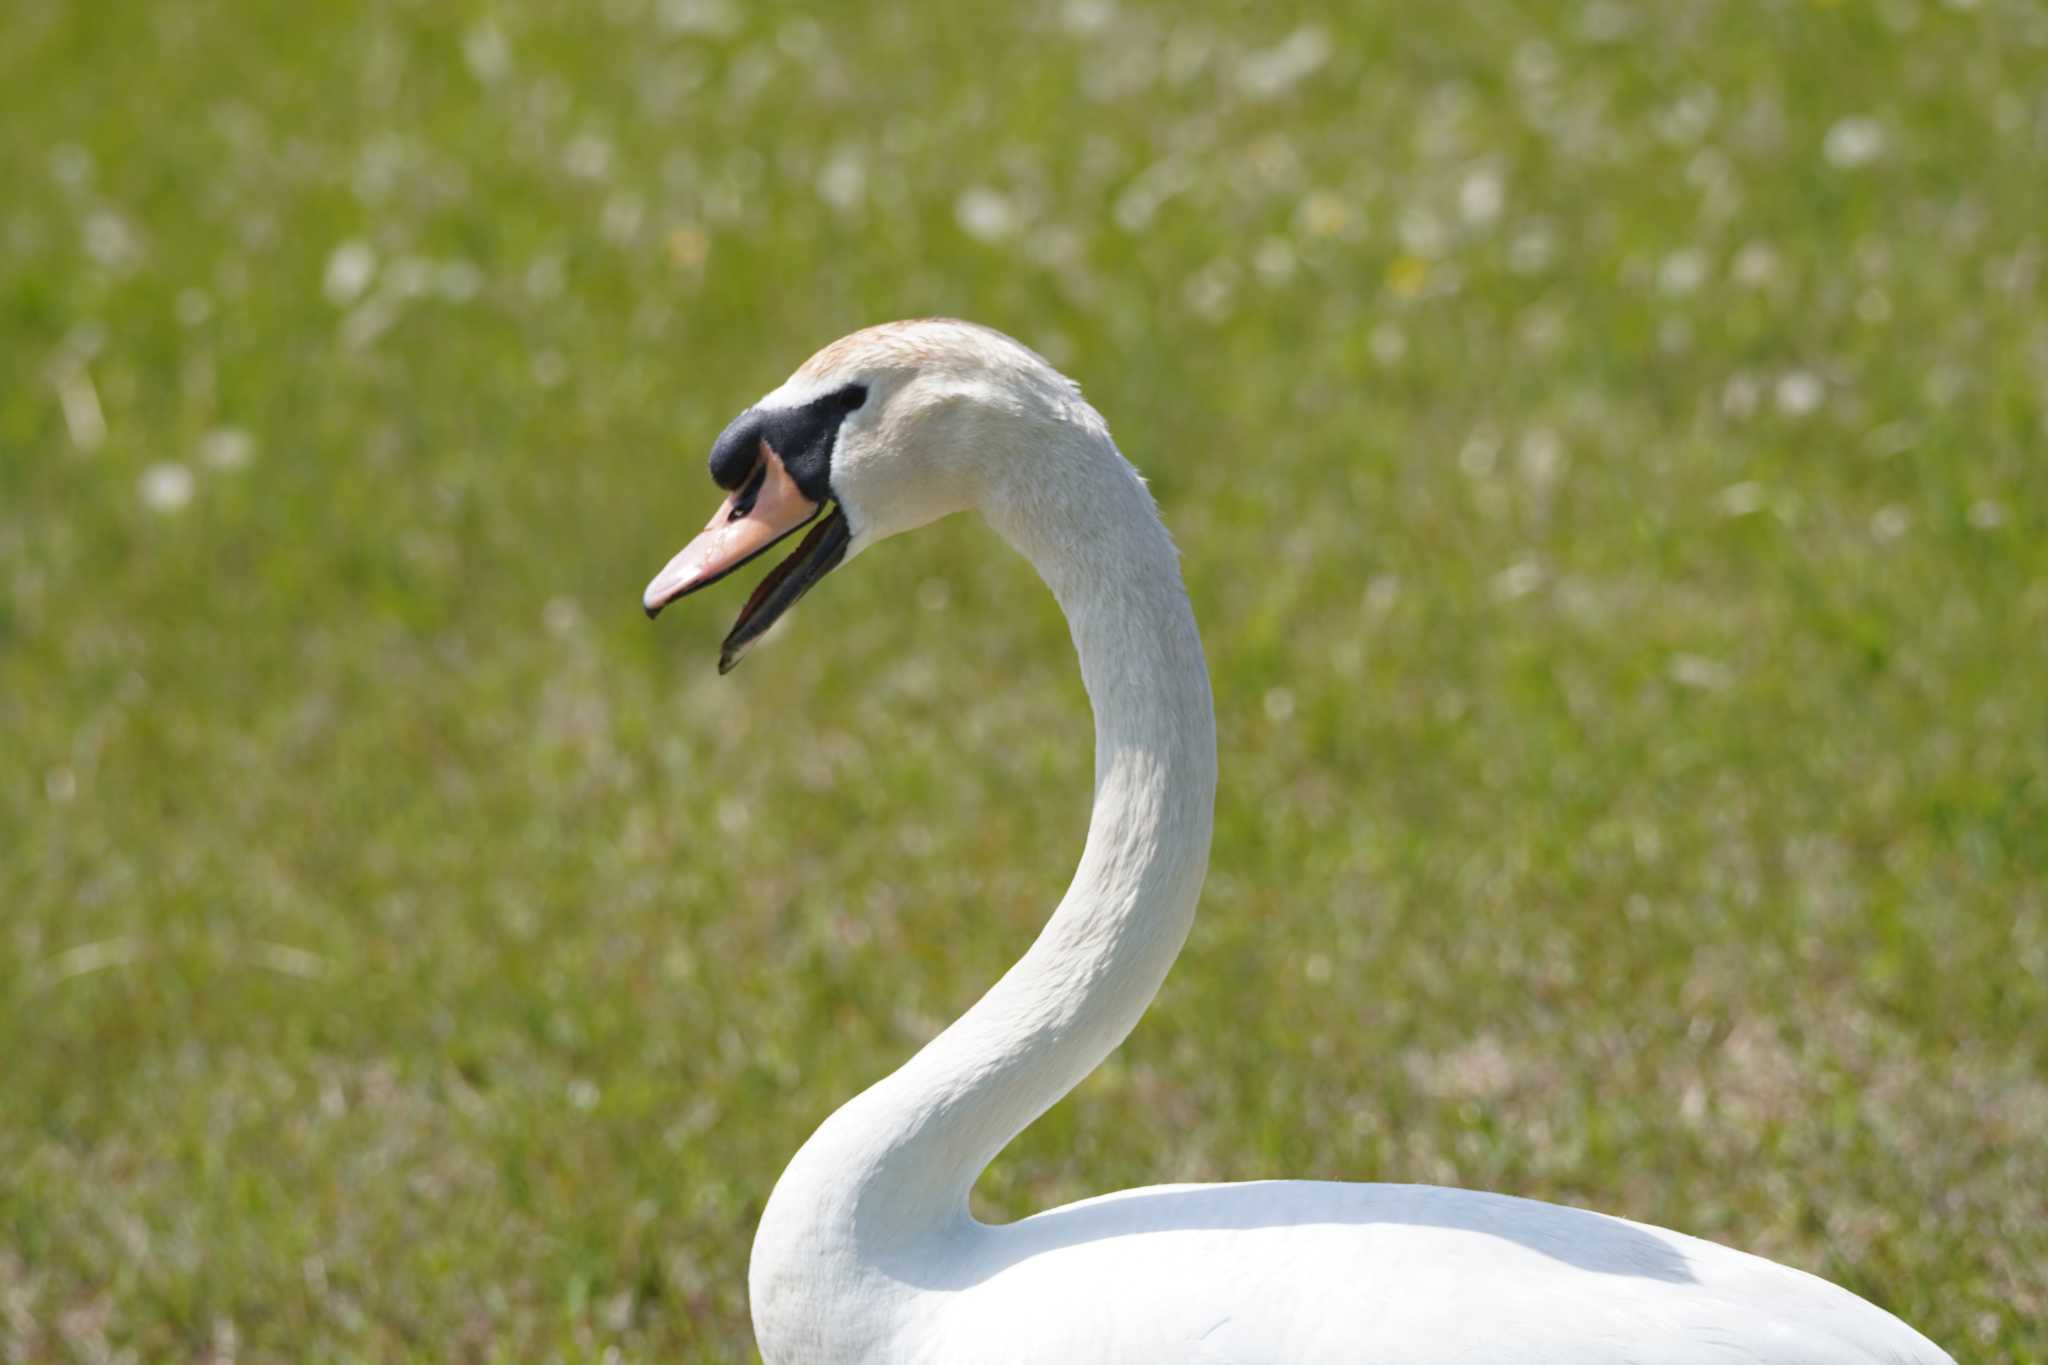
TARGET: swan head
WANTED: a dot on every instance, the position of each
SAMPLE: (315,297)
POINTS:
(881,432)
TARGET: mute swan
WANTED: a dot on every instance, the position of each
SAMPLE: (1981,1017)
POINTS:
(867,1251)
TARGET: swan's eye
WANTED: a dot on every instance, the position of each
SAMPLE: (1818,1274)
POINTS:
(852,396)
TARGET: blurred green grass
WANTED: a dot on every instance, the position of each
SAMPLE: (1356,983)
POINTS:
(1606,441)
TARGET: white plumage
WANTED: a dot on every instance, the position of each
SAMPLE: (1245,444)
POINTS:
(867,1251)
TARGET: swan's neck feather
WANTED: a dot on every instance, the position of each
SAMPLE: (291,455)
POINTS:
(888,1175)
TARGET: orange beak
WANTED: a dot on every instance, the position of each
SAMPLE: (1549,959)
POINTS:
(768,507)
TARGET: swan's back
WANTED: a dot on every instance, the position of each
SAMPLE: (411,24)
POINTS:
(1316,1273)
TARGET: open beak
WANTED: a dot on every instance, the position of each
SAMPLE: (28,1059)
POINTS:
(765,509)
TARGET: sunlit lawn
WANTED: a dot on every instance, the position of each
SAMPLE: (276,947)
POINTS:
(1607,442)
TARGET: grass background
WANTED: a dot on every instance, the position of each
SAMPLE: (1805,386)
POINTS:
(1607,444)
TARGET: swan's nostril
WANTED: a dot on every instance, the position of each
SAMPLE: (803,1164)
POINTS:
(749,495)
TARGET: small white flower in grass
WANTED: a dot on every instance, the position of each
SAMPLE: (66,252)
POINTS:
(1542,456)
(1141,199)
(287,960)
(1422,233)
(1136,207)
(1274,261)
(350,268)
(166,487)
(1481,197)
(1606,22)
(1279,704)
(1756,265)
(1799,393)
(1893,438)
(409,277)
(1945,383)
(1316,967)
(71,164)
(1700,673)
(801,39)
(561,616)
(1211,290)
(623,215)
(1682,272)
(1890,522)
(193,307)
(1740,395)
(458,281)
(589,157)
(1532,251)
(984,214)
(549,369)
(367,321)
(487,52)
(1272,72)
(583,1094)
(227,448)
(1381,592)
(843,183)
(1535,63)
(1712,172)
(1542,328)
(382,161)
(733,816)
(1323,213)
(1688,118)
(1480,453)
(80,399)
(1853,142)
(719,18)
(687,247)
(1388,344)
(1083,17)
(1481,1069)
(1692,1102)
(1740,499)
(545,276)
(1986,515)
(1517,580)
(110,241)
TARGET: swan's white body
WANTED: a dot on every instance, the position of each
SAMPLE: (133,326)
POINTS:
(867,1251)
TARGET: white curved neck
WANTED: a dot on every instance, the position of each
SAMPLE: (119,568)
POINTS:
(894,1166)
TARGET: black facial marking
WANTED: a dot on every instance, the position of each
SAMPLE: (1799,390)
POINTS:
(737,450)
(803,437)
